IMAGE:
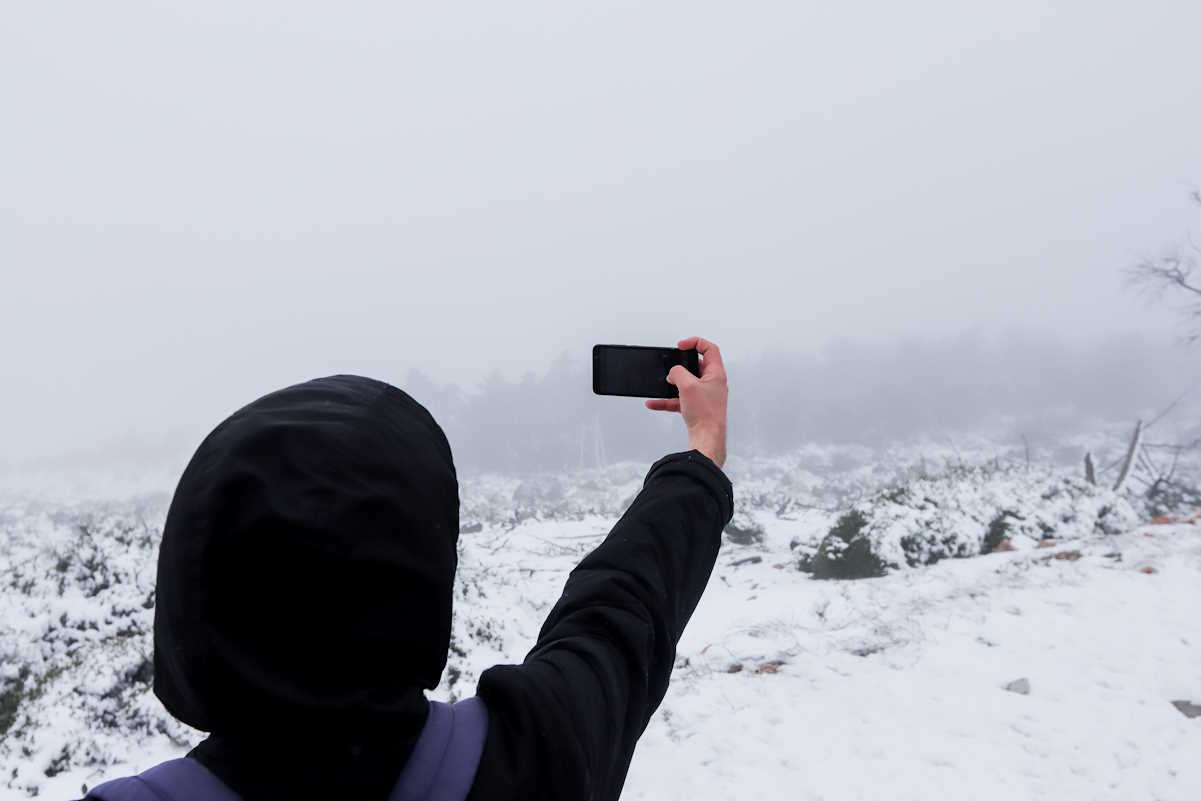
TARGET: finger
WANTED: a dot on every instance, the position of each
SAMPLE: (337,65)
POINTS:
(680,376)
(704,347)
(711,362)
(709,350)
(664,404)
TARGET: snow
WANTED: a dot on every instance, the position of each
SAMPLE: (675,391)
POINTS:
(784,685)
(895,685)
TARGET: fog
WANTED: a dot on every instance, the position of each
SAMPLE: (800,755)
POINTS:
(895,218)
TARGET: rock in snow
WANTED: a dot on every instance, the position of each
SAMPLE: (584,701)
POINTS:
(1019,686)
(1188,709)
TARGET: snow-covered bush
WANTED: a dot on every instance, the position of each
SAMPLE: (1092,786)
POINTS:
(75,642)
(846,552)
(743,529)
(964,512)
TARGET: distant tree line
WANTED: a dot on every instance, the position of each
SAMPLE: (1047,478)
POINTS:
(850,391)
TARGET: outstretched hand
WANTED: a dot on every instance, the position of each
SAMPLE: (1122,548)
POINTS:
(702,401)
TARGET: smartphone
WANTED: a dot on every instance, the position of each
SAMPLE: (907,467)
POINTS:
(637,371)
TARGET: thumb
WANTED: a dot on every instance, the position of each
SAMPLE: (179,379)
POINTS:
(680,377)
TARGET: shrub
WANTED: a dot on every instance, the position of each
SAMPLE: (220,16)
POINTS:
(998,530)
(846,552)
(10,699)
(744,530)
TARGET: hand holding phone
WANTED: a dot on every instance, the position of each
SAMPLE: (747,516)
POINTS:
(689,379)
(637,371)
(702,400)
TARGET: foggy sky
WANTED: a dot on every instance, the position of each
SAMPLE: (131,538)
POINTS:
(202,202)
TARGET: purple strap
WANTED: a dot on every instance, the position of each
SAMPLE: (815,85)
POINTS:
(443,763)
(174,779)
(441,768)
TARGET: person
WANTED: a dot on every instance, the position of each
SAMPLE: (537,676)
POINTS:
(304,596)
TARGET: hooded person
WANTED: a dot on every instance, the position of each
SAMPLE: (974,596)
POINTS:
(303,608)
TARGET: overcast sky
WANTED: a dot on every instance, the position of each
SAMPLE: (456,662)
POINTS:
(202,201)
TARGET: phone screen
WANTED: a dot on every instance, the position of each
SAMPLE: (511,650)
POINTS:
(638,371)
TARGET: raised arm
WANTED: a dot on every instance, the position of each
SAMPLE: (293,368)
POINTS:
(565,722)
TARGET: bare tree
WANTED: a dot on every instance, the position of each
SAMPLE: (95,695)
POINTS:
(1156,466)
(1176,275)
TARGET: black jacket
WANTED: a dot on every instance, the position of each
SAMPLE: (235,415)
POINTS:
(304,596)
(564,722)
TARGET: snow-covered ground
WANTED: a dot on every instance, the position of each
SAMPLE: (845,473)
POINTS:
(894,687)
(785,685)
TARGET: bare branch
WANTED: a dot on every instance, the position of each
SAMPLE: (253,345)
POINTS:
(1175,446)
(1104,470)
(1146,482)
(1138,430)
(1158,276)
(1147,463)
(1175,463)
(1193,246)
(1176,274)
(1168,409)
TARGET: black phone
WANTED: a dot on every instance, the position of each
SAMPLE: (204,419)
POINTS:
(638,371)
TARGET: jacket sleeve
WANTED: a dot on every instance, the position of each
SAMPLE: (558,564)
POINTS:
(564,723)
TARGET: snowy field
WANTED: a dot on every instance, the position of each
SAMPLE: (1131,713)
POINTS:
(890,687)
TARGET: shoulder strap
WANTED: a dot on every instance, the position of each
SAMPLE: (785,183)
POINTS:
(171,780)
(441,768)
(444,761)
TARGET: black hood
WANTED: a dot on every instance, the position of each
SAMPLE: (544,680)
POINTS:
(306,569)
